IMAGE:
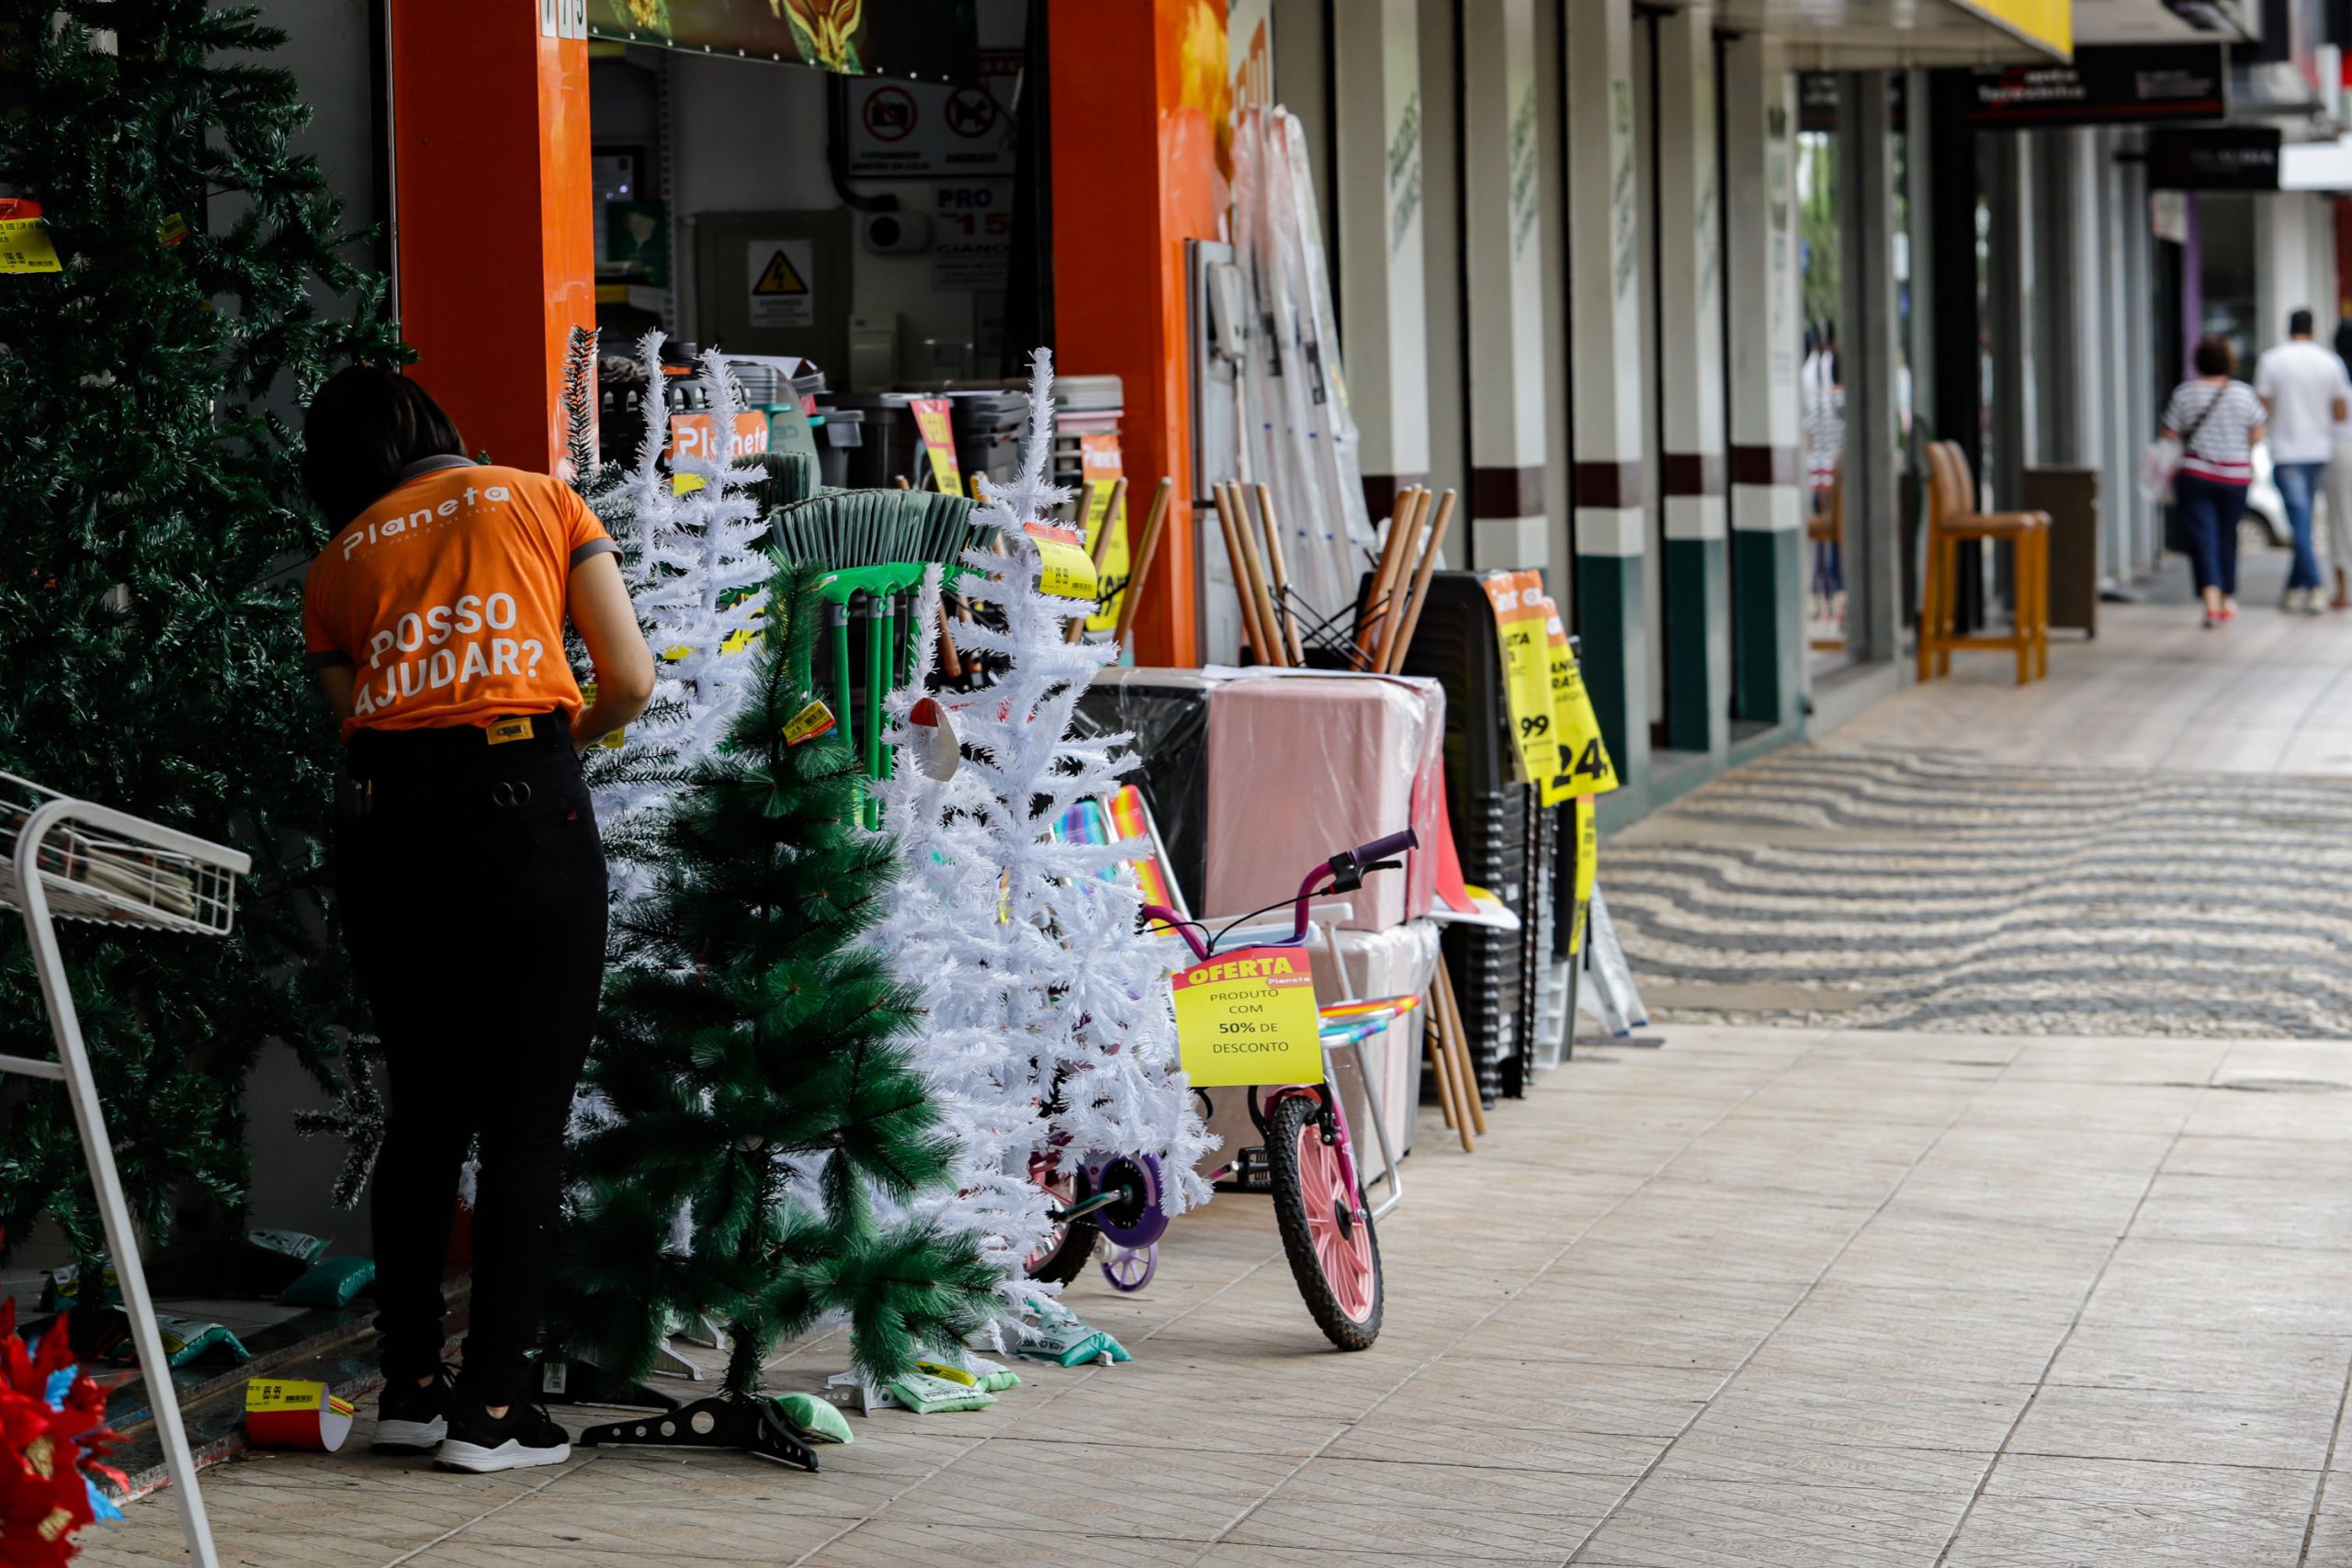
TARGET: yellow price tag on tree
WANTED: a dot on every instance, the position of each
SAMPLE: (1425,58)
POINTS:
(25,247)
(1065,570)
(1583,767)
(1519,602)
(1249,1018)
(938,433)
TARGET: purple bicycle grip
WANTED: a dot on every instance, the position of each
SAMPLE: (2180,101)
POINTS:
(1407,839)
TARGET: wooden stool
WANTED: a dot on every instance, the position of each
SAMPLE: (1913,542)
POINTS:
(1952,517)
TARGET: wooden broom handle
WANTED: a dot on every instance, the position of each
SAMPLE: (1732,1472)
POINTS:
(1281,568)
(1224,505)
(1404,517)
(1404,638)
(1264,602)
(1139,568)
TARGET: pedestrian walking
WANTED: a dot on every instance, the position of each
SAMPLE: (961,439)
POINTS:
(469,876)
(2216,419)
(2339,479)
(2301,388)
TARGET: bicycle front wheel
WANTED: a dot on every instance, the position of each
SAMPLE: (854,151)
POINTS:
(1334,1254)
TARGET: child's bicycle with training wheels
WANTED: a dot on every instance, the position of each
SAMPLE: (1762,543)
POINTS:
(1307,1163)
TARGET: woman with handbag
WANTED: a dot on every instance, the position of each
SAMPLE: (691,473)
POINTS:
(2212,424)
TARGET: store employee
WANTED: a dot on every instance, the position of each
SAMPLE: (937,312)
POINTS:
(471,877)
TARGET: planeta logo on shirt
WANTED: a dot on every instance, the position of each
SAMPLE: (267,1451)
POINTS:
(447,599)
(412,524)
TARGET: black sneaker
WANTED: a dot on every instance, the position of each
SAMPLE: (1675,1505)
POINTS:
(411,1419)
(524,1436)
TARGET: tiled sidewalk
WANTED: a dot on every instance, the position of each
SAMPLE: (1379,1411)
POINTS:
(1756,1297)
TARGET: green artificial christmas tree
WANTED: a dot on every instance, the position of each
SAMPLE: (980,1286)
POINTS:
(150,636)
(758,1127)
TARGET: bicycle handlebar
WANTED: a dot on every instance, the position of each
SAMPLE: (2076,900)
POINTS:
(1346,867)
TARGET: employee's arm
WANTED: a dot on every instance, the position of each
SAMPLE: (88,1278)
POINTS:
(340,683)
(624,665)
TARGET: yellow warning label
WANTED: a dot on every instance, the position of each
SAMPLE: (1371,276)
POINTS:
(780,277)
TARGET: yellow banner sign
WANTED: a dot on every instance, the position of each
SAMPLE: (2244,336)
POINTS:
(938,433)
(1583,767)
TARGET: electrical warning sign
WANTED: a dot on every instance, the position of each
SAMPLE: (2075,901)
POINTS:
(781,292)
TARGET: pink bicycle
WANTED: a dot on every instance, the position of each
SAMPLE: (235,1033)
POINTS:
(1308,1164)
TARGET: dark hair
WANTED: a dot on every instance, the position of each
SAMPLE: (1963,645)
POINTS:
(2214,355)
(2298,324)
(364,426)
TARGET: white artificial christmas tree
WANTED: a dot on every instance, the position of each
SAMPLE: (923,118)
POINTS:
(1042,991)
(698,574)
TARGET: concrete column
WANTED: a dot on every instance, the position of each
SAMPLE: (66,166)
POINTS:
(1606,381)
(1691,385)
(1767,503)
(1377,113)
(1502,201)
(1866,351)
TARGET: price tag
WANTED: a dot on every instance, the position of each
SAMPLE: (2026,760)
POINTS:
(1588,868)
(614,740)
(1583,767)
(1249,1018)
(1065,570)
(1519,612)
(25,247)
(283,1412)
(808,724)
(939,439)
(1100,464)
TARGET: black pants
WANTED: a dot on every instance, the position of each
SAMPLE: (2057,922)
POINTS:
(473,896)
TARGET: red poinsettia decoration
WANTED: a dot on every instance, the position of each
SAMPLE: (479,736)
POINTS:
(45,1449)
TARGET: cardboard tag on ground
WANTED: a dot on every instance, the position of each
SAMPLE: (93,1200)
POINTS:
(285,1413)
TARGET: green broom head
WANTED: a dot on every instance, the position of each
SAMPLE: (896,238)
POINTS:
(842,528)
(790,477)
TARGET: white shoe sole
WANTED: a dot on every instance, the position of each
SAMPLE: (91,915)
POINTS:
(476,1460)
(410,1436)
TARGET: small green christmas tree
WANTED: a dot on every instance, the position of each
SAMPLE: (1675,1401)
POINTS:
(762,1127)
(150,653)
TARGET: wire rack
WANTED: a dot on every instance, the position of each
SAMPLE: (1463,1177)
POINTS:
(62,858)
(117,878)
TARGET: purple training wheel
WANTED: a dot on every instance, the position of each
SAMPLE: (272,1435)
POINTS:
(1130,1269)
(1137,1220)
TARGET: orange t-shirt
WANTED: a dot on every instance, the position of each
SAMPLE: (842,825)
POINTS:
(447,597)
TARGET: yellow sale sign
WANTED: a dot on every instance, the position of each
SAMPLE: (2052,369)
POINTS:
(938,433)
(1583,767)
(1249,1018)
(1100,465)
(1520,612)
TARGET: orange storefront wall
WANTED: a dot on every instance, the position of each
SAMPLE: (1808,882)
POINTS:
(495,259)
(1139,90)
